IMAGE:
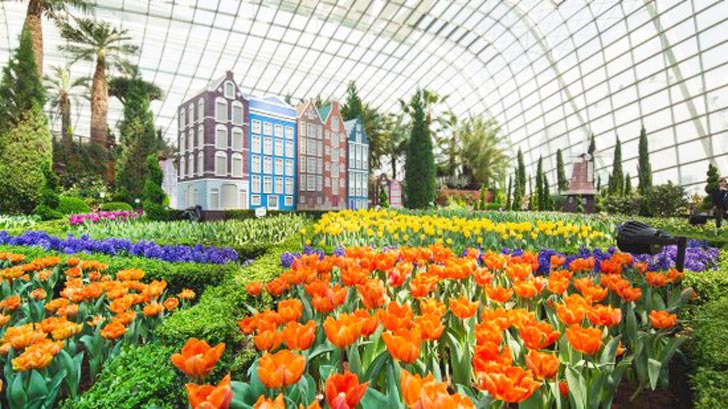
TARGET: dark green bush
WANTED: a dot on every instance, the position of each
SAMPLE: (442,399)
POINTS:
(140,377)
(116,207)
(709,335)
(709,285)
(665,200)
(613,204)
(72,205)
(46,213)
(709,389)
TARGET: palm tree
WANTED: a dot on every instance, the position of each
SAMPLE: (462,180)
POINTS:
(119,85)
(484,151)
(395,140)
(60,91)
(33,21)
(93,40)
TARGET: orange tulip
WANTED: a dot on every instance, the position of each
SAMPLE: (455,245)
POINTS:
(396,316)
(525,289)
(171,303)
(431,306)
(483,277)
(197,359)
(488,331)
(254,288)
(488,355)
(186,294)
(662,319)
(570,315)
(631,294)
(153,309)
(423,284)
(290,310)
(510,384)
(281,369)
(426,393)
(498,294)
(518,271)
(209,396)
(498,316)
(344,391)
(299,337)
(276,286)
(538,334)
(370,323)
(544,365)
(371,293)
(585,340)
(604,315)
(430,326)
(404,345)
(558,285)
(113,330)
(557,261)
(656,279)
(344,331)
(463,308)
(582,264)
(268,340)
(264,403)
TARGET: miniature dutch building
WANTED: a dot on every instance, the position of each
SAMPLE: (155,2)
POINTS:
(334,157)
(310,157)
(358,165)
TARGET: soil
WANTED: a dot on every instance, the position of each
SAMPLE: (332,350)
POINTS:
(677,396)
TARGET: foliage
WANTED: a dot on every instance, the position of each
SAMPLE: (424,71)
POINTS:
(547,205)
(20,89)
(420,161)
(120,87)
(592,147)
(712,183)
(383,199)
(353,107)
(62,93)
(709,388)
(540,202)
(616,178)
(665,200)
(138,143)
(12,222)
(483,154)
(710,333)
(644,169)
(116,207)
(395,140)
(519,188)
(82,167)
(140,377)
(25,151)
(509,193)
(624,205)
(72,205)
(561,181)
(153,194)
(627,185)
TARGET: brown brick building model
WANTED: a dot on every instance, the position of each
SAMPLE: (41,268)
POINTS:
(310,157)
(334,157)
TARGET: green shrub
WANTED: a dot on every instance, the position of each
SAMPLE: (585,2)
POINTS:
(709,285)
(140,377)
(116,207)
(72,205)
(46,213)
(709,389)
(709,335)
(665,200)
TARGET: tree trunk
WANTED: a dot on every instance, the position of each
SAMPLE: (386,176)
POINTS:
(34,25)
(394,167)
(99,105)
(65,122)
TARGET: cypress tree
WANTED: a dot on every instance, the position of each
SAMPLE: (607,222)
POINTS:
(561,181)
(21,89)
(521,172)
(510,191)
(627,185)
(420,160)
(644,169)
(616,179)
(139,141)
(154,196)
(539,184)
(599,183)
(530,193)
(519,185)
(712,183)
(546,194)
(353,107)
(592,147)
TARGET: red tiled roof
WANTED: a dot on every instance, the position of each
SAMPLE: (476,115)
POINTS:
(580,183)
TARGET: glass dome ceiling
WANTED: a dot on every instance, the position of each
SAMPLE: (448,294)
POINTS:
(550,72)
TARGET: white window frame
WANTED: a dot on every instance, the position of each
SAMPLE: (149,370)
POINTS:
(201,163)
(267,129)
(289,185)
(256,163)
(302,146)
(267,145)
(215,203)
(302,129)
(255,184)
(278,185)
(221,143)
(237,106)
(302,182)
(256,144)
(255,126)
(311,183)
(201,109)
(229,89)
(190,140)
(237,139)
(182,112)
(219,102)
(182,167)
(278,166)
(319,183)
(190,165)
(302,166)
(267,184)
(273,198)
(237,169)
(278,130)
(268,165)
(289,132)
(182,142)
(289,150)
(255,200)
(221,155)
(311,164)
(190,114)
(289,167)
(201,136)
(289,201)
(278,147)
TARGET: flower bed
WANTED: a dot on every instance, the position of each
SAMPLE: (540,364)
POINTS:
(387,228)
(101,216)
(50,344)
(423,327)
(114,246)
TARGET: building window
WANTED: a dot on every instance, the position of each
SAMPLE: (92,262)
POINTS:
(220,164)
(221,110)
(289,149)
(342,137)
(191,140)
(267,146)
(267,165)
(319,183)
(214,199)
(200,109)
(335,154)
(342,182)
(365,157)
(267,128)
(182,168)
(335,123)
(289,132)
(237,139)
(255,163)
(182,141)
(327,166)
(190,114)
(279,166)
(279,147)
(335,187)
(359,154)
(190,165)
(278,131)
(351,185)
(319,148)
(201,136)
(289,200)
(255,124)
(237,165)
(302,166)
(319,131)
(311,147)
(302,183)
(181,119)
(311,164)
(255,200)
(243,199)
(302,147)
(311,130)
(229,90)
(267,184)
(221,137)
(301,129)
(272,202)
(289,167)
(255,184)
(201,163)
(289,186)
(311,183)
(351,155)
(237,113)
(279,185)
(319,165)
(255,144)
(327,182)
(327,150)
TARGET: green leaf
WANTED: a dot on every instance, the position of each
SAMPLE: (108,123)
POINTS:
(577,387)
(460,360)
(534,402)
(37,388)
(376,367)
(355,361)
(669,350)
(609,353)
(16,393)
(319,350)
(374,399)
(653,369)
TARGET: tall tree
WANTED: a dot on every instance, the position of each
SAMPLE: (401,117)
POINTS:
(627,185)
(482,151)
(353,108)
(561,180)
(519,185)
(510,192)
(420,160)
(374,124)
(546,194)
(644,169)
(20,89)
(61,94)
(530,193)
(592,147)
(539,184)
(139,141)
(712,184)
(616,179)
(154,196)
(54,9)
(99,42)
(119,85)
(395,140)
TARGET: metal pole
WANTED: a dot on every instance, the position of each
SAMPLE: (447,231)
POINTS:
(682,243)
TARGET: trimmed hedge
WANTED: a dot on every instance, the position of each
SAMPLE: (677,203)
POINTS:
(140,377)
(72,205)
(116,207)
(710,388)
(709,334)
(195,276)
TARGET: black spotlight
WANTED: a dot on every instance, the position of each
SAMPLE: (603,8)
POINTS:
(639,238)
